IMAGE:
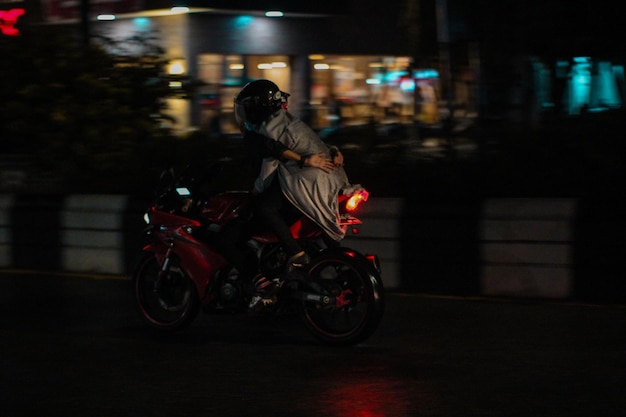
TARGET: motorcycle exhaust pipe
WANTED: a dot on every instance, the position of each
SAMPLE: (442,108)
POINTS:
(318,298)
(309,297)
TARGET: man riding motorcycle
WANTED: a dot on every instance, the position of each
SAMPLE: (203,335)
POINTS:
(298,171)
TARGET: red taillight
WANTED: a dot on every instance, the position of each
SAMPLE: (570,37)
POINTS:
(356,199)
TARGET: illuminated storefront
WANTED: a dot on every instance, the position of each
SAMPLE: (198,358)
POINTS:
(338,75)
(592,85)
(348,90)
(224,75)
(343,89)
(224,49)
(589,85)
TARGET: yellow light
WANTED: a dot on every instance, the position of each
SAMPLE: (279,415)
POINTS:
(180,9)
(236,66)
(355,199)
(316,57)
(264,66)
(321,66)
(353,202)
(175,84)
(176,67)
(279,65)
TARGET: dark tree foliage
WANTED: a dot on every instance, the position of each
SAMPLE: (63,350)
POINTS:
(91,117)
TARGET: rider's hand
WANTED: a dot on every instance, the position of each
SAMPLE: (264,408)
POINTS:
(319,160)
(337,158)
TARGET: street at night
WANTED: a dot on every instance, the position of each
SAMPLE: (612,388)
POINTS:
(74,345)
(488,138)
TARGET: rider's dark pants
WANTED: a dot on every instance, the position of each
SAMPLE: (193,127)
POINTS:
(277,213)
(231,241)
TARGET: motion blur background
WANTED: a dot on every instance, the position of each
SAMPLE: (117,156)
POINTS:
(521,98)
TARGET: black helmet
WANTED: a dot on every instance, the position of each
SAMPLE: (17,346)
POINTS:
(257,101)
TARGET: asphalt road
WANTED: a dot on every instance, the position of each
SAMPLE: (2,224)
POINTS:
(74,346)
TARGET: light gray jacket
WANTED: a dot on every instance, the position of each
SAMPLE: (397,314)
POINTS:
(311,190)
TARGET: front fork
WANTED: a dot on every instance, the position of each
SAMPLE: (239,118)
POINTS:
(164,268)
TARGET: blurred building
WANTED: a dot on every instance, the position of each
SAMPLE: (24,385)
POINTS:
(358,61)
(342,61)
(541,58)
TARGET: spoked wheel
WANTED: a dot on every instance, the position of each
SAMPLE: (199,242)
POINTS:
(357,293)
(167,300)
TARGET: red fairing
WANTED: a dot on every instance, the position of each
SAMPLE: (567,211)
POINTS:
(201,264)
(198,260)
(222,208)
(171,220)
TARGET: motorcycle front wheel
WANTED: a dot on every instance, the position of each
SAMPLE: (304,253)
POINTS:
(357,288)
(167,300)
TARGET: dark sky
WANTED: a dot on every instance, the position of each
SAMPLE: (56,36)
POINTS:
(574,27)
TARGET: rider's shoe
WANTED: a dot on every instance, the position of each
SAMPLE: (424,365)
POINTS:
(265,293)
(298,261)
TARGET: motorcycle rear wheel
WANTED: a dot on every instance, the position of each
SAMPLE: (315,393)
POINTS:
(170,302)
(359,309)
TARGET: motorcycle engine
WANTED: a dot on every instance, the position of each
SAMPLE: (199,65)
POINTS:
(228,292)
(272,260)
(231,293)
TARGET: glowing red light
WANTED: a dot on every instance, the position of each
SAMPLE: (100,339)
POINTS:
(8,20)
(356,199)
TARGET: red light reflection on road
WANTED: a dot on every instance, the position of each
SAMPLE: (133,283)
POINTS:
(376,396)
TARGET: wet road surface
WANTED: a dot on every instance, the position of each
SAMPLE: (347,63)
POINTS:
(74,346)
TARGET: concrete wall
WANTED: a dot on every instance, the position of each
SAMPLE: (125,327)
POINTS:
(527,247)
(564,249)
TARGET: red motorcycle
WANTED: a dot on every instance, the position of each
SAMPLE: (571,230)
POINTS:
(339,295)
